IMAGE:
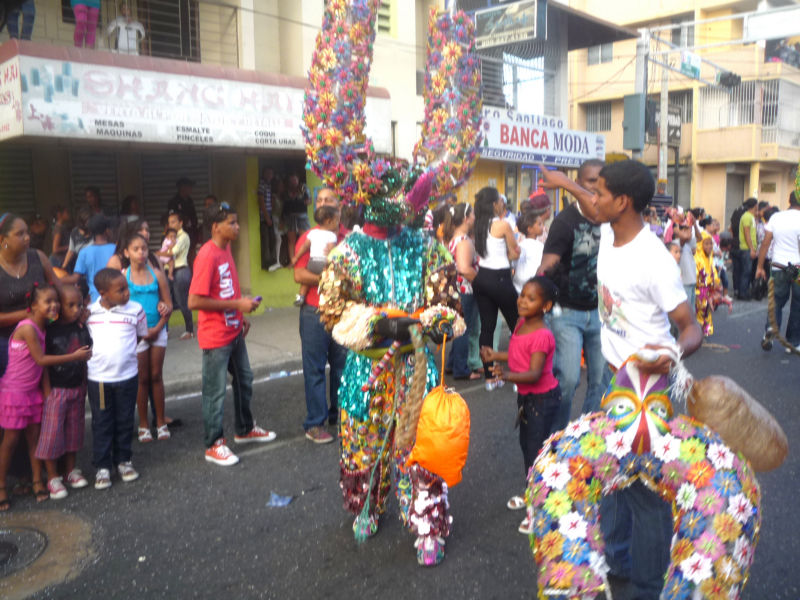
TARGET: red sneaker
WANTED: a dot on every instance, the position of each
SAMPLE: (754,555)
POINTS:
(220,454)
(256,434)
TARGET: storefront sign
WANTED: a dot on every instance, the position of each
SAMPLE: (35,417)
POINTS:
(501,25)
(523,138)
(10,100)
(99,102)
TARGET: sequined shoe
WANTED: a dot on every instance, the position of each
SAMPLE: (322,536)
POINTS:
(364,528)
(430,550)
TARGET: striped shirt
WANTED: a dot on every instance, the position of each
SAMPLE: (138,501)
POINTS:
(115,333)
(265,189)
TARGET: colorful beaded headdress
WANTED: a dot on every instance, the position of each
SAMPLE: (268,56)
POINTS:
(336,147)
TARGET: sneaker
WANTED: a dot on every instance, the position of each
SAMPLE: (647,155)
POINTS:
(299,300)
(186,335)
(274,267)
(102,481)
(318,435)
(256,434)
(76,480)
(766,341)
(526,527)
(127,472)
(56,488)
(791,351)
(220,454)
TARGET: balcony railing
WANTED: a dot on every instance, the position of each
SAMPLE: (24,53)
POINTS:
(770,104)
(189,30)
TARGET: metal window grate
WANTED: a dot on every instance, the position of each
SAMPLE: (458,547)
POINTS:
(598,116)
(385,17)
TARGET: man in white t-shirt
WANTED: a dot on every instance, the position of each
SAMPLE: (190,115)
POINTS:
(639,291)
(783,235)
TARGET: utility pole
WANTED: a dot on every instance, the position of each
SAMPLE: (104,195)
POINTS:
(663,132)
(640,86)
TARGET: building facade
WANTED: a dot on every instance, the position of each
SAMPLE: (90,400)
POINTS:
(214,94)
(735,142)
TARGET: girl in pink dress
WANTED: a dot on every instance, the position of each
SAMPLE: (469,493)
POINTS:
(22,390)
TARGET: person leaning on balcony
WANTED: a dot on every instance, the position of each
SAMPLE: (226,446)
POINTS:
(86,13)
(127,30)
(28,11)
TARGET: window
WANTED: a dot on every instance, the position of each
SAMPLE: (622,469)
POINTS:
(683,36)
(385,17)
(602,53)
(598,116)
(683,99)
(172,26)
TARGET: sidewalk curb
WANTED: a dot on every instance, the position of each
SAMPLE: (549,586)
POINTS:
(189,385)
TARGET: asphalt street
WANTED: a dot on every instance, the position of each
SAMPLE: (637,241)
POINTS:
(190,529)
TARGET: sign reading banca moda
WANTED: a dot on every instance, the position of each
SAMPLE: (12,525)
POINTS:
(523,138)
(101,102)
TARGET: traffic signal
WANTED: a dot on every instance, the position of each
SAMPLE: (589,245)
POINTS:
(728,79)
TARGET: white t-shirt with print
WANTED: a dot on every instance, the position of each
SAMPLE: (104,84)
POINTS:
(638,284)
(785,229)
(530,257)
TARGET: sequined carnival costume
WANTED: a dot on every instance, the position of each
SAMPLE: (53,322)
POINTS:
(389,286)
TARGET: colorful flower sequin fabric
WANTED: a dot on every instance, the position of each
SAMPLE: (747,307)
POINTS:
(713,491)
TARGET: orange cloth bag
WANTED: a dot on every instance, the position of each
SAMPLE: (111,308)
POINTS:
(442,440)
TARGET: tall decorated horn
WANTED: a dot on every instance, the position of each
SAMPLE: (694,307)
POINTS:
(450,136)
(333,111)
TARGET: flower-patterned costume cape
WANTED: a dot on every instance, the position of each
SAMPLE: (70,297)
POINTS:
(715,496)
(707,284)
(388,270)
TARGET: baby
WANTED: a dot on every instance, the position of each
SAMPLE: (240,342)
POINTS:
(318,244)
(164,255)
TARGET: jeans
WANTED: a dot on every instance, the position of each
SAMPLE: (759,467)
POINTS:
(474,328)
(112,407)
(745,269)
(785,287)
(216,364)
(180,287)
(637,529)
(576,330)
(536,415)
(458,360)
(319,349)
(269,255)
(85,25)
(494,290)
(28,10)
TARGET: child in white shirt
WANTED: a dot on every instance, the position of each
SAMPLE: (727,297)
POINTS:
(127,31)
(318,243)
(531,225)
(116,325)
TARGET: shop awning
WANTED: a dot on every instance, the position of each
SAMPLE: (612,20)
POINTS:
(585,30)
(63,92)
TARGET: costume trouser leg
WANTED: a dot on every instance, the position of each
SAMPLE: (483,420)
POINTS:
(422,495)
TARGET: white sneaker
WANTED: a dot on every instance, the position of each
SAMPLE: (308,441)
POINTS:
(102,481)
(56,488)
(127,472)
(220,454)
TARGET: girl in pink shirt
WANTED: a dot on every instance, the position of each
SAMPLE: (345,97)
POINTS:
(530,367)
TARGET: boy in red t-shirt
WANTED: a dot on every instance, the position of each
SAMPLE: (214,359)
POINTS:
(221,329)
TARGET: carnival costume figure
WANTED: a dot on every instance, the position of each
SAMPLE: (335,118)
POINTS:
(389,287)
